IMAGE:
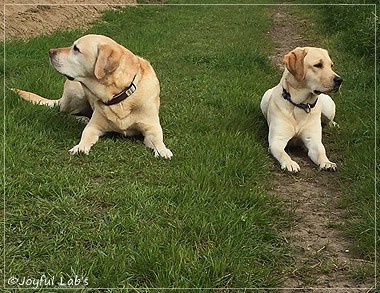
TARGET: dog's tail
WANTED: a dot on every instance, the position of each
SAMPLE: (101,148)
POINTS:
(36,99)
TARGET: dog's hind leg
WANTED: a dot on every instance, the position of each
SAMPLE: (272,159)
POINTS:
(265,102)
(328,110)
(74,100)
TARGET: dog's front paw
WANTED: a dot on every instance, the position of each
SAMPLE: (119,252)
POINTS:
(290,166)
(164,153)
(329,166)
(79,149)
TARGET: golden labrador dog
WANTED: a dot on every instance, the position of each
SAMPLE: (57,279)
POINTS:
(296,106)
(116,89)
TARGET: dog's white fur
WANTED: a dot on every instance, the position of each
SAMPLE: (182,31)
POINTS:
(98,68)
(308,76)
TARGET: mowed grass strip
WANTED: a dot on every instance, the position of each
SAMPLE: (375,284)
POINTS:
(356,50)
(354,142)
(121,217)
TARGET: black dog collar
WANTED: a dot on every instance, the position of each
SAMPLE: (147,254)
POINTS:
(307,107)
(123,94)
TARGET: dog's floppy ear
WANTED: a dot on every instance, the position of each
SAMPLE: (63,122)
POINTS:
(294,63)
(107,61)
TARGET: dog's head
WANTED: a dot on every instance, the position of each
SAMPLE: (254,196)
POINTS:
(312,68)
(95,60)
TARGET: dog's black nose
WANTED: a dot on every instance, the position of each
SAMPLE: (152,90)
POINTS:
(338,80)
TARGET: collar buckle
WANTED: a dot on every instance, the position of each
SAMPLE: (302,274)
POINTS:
(124,94)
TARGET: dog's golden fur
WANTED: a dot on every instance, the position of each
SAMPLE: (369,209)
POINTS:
(307,78)
(97,69)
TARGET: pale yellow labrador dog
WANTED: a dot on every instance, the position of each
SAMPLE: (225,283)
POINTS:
(116,89)
(295,107)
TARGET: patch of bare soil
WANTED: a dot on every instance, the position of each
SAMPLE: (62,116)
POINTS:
(321,252)
(24,21)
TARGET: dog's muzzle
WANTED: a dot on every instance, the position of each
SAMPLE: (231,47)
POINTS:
(56,64)
(337,81)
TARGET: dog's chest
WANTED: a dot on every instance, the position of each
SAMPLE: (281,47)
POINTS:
(302,121)
(120,117)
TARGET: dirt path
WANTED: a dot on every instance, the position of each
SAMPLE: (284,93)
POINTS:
(321,253)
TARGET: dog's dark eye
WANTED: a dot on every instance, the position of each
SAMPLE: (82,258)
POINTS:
(75,48)
(318,65)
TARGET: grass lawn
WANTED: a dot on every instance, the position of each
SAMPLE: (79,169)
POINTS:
(354,53)
(121,218)
(356,49)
